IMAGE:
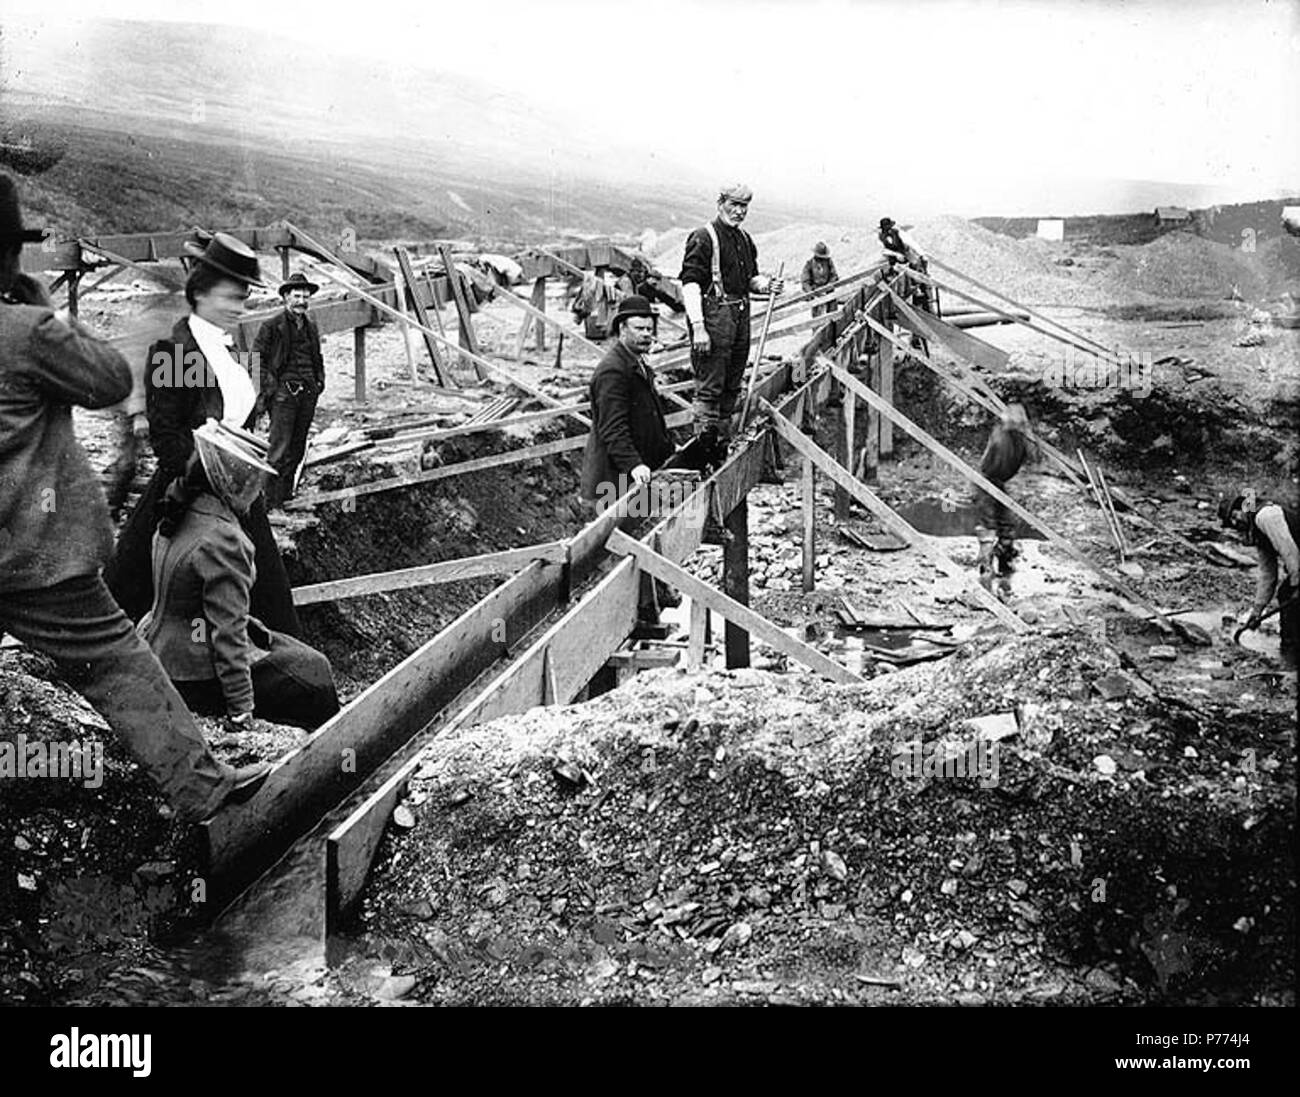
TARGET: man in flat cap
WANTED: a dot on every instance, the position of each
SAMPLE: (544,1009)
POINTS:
(719,272)
(292,379)
(55,536)
(817,272)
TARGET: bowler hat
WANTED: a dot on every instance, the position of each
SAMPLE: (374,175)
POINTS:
(298,280)
(229,255)
(886,222)
(11,215)
(821,250)
(632,305)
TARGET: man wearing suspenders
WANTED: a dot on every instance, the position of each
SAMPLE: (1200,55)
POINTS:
(719,272)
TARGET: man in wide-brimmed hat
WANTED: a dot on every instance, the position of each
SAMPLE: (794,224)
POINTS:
(719,272)
(292,379)
(817,272)
(55,536)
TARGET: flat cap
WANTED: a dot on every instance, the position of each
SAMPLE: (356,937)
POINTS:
(736,192)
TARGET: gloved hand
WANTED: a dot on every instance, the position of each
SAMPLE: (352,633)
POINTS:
(641,474)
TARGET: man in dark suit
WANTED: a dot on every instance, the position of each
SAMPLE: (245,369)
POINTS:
(55,535)
(293,377)
(629,436)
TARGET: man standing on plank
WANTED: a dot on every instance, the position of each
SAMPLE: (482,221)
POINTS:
(719,272)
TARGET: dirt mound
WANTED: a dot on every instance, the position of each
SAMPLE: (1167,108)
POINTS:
(1022,269)
(742,837)
(1181,265)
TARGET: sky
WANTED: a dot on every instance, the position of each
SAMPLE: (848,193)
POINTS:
(964,106)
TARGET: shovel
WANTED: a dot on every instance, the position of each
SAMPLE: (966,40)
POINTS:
(1236,636)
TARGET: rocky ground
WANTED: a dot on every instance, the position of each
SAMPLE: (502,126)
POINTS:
(747,836)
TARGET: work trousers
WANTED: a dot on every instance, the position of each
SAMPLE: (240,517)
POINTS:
(1290,620)
(78,625)
(720,373)
(291,418)
(292,684)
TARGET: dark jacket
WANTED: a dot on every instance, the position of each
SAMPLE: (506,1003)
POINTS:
(627,422)
(818,272)
(203,576)
(53,519)
(1005,453)
(181,393)
(272,349)
(738,261)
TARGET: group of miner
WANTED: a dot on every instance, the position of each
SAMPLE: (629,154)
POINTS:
(189,609)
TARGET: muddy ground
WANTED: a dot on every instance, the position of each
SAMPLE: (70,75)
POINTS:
(768,851)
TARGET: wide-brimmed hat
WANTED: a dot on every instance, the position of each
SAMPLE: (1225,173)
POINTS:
(11,216)
(821,250)
(229,255)
(235,470)
(735,192)
(298,280)
(632,305)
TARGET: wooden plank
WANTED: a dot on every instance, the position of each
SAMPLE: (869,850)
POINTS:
(664,569)
(337,758)
(462,302)
(968,346)
(887,515)
(444,375)
(528,453)
(808,505)
(491,368)
(444,571)
(985,485)
(542,319)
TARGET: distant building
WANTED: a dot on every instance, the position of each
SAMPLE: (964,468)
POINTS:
(1051,229)
(1172,215)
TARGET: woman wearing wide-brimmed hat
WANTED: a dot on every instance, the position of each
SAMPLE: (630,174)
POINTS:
(191,377)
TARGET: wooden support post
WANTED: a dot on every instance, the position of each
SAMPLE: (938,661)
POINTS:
(885,386)
(871,454)
(666,571)
(735,579)
(846,451)
(559,351)
(697,640)
(808,499)
(74,280)
(539,303)
(284,263)
(359,363)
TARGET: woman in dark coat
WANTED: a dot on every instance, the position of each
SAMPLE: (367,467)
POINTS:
(190,377)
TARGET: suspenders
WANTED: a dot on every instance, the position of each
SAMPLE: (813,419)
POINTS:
(716,287)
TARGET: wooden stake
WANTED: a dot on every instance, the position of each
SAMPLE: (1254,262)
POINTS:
(359,363)
(885,386)
(697,641)
(444,376)
(539,303)
(735,580)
